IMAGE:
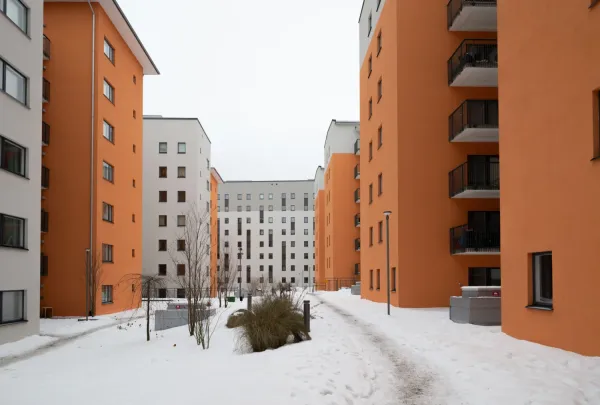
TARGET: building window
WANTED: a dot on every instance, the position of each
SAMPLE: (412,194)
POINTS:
(133,148)
(133,183)
(378,279)
(107,294)
(13,157)
(293,208)
(248,196)
(596,123)
(542,279)
(132,217)
(306,231)
(108,172)
(378,4)
(108,131)
(107,212)
(162,220)
(162,196)
(370,107)
(379,137)
(370,193)
(181,147)
(379,43)
(180,269)
(109,91)
(181,172)
(180,220)
(370,26)
(380,184)
(107,253)
(181,293)
(181,245)
(393,280)
(379,89)
(109,51)
(380,231)
(484,276)
(370,279)
(134,79)
(370,65)
(162,269)
(12,306)
(162,245)
(134,114)
(181,196)
(12,231)
(370,236)
(162,147)
(17,12)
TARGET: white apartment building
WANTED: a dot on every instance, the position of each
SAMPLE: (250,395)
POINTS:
(20,166)
(176,180)
(272,224)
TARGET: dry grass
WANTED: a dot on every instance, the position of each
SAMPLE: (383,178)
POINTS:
(236,319)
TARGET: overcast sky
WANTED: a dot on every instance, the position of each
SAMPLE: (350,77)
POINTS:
(265,77)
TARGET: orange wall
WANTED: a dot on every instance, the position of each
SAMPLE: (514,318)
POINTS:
(340,209)
(415,157)
(550,193)
(68,157)
(320,238)
(214,187)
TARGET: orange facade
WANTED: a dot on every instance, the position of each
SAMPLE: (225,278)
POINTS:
(77,188)
(404,139)
(550,195)
(320,255)
(340,231)
(214,234)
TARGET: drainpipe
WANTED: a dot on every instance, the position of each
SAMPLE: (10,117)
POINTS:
(91,255)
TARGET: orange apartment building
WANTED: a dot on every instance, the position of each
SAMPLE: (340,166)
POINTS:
(337,218)
(92,163)
(429,149)
(215,180)
(551,137)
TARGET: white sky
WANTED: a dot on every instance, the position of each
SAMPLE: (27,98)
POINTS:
(265,77)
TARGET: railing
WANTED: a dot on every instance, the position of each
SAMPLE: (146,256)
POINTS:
(357,147)
(357,220)
(480,53)
(44,221)
(474,176)
(454,7)
(45,133)
(335,284)
(473,114)
(45,177)
(46,90)
(463,239)
(46,48)
(357,171)
(43,265)
(357,195)
(357,244)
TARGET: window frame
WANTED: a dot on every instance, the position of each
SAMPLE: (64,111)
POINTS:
(379,136)
(161,223)
(110,57)
(23,149)
(24,30)
(111,170)
(111,136)
(179,171)
(23,308)
(110,298)
(112,91)
(3,67)
(110,210)
(179,195)
(166,145)
(537,300)
(107,253)
(23,230)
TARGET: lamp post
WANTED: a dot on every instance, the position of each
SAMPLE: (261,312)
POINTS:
(240,271)
(387,255)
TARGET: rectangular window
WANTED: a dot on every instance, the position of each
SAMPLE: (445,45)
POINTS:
(17,12)
(162,269)
(484,276)
(162,245)
(370,279)
(379,89)
(107,253)
(107,294)
(108,172)
(370,193)
(370,65)
(107,212)
(162,196)
(370,25)
(393,280)
(379,43)
(13,157)
(181,293)
(109,91)
(12,306)
(108,131)
(181,172)
(181,147)
(181,245)
(180,269)
(162,220)
(109,51)
(181,196)
(378,279)
(162,172)
(371,236)
(370,108)
(380,231)
(180,220)
(12,231)
(542,279)
(162,147)
(379,137)
(380,184)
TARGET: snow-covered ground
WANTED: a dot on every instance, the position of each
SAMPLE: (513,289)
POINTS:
(358,355)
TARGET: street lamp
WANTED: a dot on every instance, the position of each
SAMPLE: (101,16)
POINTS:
(387,254)
(240,270)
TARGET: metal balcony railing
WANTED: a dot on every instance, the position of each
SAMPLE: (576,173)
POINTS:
(479,53)
(357,171)
(45,133)
(357,220)
(473,114)
(464,239)
(46,91)
(43,265)
(45,177)
(474,176)
(454,7)
(357,195)
(46,48)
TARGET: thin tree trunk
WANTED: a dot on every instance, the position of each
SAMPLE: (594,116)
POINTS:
(148,314)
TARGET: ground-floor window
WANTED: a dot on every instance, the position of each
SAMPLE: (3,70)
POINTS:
(484,276)
(180,293)
(542,279)
(162,293)
(12,306)
(107,294)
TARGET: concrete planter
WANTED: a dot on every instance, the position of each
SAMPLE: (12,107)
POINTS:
(477,306)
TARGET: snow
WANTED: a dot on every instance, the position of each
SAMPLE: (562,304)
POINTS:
(358,355)
(25,345)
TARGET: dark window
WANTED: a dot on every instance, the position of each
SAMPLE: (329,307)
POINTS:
(370,193)
(484,276)
(162,245)
(393,280)
(542,279)
(379,137)
(107,253)
(371,279)
(107,294)
(162,293)
(370,26)
(379,89)
(162,172)
(380,231)
(181,293)
(380,184)
(43,265)
(370,108)
(371,236)
(370,151)
(162,220)
(378,279)
(162,196)
(12,231)
(379,43)
(162,269)
(181,269)
(370,65)
(12,306)
(181,196)
(181,245)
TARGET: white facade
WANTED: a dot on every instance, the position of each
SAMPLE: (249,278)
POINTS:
(20,167)
(288,221)
(341,137)
(367,22)
(163,140)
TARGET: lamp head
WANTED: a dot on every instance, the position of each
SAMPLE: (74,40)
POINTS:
(387,213)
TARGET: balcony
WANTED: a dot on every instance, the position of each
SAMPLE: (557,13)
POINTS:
(480,236)
(474,64)
(46,91)
(357,195)
(472,15)
(43,265)
(45,134)
(357,147)
(479,177)
(357,172)
(474,121)
(45,177)
(46,49)
(357,220)
(44,221)
(357,244)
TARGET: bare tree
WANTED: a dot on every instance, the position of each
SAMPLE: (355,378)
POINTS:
(225,277)
(144,285)
(254,286)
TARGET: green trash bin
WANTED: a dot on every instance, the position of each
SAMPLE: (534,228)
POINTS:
(230,299)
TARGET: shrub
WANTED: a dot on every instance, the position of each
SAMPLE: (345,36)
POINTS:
(271,322)
(236,319)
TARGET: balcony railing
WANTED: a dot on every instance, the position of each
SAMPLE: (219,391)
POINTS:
(357,195)
(46,49)
(357,269)
(357,171)
(45,177)
(474,63)
(43,265)
(46,91)
(472,15)
(357,147)
(357,244)
(45,133)
(44,221)
(464,240)
(357,220)
(475,180)
(474,121)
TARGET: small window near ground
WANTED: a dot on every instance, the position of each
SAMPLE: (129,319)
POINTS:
(371,279)
(107,253)
(542,279)
(12,304)
(378,279)
(107,294)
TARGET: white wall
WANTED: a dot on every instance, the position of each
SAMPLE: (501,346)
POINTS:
(319,180)
(369,8)
(340,138)
(20,269)
(196,160)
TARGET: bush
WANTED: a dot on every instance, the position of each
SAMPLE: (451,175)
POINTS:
(236,319)
(271,322)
